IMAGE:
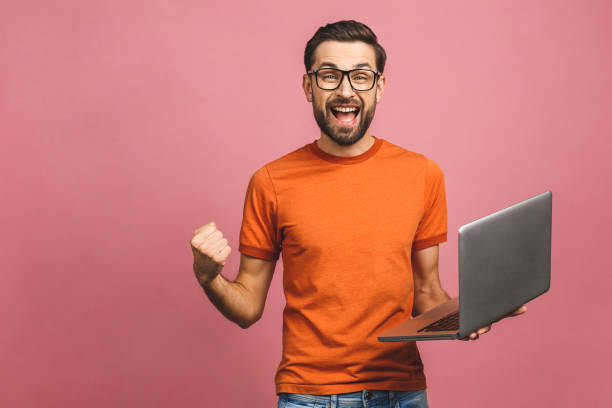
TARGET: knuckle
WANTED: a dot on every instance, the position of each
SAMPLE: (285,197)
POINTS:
(204,250)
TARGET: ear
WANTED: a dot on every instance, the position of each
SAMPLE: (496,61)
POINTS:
(307,86)
(380,87)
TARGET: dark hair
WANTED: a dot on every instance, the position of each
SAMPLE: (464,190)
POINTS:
(345,30)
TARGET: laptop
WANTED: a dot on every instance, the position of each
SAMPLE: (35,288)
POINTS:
(504,262)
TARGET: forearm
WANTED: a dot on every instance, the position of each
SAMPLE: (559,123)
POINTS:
(427,298)
(232,299)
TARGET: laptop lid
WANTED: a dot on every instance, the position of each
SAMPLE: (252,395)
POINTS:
(504,261)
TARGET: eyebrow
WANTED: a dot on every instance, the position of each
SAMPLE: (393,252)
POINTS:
(332,65)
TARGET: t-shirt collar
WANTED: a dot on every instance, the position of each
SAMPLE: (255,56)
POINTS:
(314,147)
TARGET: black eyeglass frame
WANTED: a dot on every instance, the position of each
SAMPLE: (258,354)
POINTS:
(377,75)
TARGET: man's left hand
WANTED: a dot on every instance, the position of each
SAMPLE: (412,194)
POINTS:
(483,330)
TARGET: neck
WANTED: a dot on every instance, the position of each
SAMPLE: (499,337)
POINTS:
(333,148)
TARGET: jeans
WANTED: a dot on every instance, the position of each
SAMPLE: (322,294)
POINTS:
(363,399)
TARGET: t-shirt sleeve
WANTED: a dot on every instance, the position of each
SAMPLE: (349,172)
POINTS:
(259,237)
(433,226)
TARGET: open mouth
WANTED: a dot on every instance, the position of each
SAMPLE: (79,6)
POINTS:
(346,115)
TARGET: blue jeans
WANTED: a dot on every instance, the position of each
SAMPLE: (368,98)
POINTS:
(363,399)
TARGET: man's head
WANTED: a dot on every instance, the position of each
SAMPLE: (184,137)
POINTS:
(344,113)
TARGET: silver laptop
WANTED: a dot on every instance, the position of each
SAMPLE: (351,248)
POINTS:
(504,262)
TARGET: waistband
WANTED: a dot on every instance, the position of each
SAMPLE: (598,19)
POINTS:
(351,399)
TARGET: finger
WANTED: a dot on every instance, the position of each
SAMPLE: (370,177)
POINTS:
(207,228)
(473,336)
(518,311)
(222,256)
(212,223)
(212,239)
(201,243)
(217,247)
(521,309)
(204,245)
(483,330)
(213,243)
(197,241)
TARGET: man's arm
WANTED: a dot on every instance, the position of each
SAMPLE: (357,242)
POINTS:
(243,300)
(428,292)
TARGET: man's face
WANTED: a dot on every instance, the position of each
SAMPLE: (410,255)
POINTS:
(343,114)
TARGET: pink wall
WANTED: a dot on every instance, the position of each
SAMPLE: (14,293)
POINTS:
(127,124)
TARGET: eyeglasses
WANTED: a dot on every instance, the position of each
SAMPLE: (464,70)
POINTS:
(360,79)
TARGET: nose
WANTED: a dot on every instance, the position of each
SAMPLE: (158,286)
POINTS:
(345,88)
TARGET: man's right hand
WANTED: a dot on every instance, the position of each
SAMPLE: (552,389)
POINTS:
(210,251)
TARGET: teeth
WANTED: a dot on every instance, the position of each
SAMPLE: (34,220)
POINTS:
(343,109)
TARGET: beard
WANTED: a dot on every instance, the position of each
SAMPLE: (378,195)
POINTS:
(343,135)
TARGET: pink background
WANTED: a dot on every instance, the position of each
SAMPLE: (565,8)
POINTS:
(127,124)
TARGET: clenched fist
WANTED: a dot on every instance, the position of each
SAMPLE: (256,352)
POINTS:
(210,251)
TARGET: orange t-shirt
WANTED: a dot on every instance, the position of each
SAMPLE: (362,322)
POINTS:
(346,228)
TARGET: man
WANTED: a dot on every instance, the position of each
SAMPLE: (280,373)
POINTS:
(358,221)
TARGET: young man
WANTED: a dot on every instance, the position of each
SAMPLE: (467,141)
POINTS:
(358,221)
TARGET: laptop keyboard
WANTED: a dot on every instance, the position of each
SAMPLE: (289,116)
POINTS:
(448,322)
